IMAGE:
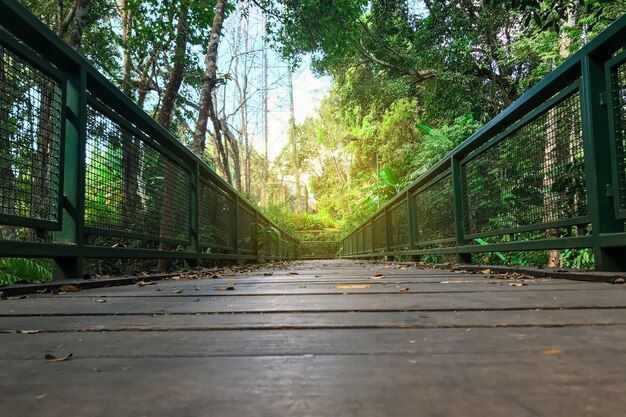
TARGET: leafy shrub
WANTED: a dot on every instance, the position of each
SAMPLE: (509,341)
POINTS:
(14,270)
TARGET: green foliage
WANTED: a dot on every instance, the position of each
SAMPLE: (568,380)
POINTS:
(577,258)
(418,157)
(14,270)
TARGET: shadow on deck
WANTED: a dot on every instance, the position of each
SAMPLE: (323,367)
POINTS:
(324,338)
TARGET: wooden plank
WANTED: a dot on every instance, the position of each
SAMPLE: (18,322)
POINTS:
(464,319)
(133,344)
(246,287)
(456,385)
(331,302)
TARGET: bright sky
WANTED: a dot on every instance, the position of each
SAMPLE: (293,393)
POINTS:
(308,89)
(308,92)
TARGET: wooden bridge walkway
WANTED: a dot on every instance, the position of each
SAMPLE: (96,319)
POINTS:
(331,338)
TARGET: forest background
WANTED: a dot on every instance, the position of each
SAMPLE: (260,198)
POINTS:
(409,80)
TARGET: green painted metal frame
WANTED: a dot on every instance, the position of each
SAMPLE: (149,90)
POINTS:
(588,73)
(83,85)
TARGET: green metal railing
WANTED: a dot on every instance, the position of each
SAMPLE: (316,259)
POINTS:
(82,168)
(549,172)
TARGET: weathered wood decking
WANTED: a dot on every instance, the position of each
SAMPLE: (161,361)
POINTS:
(451,345)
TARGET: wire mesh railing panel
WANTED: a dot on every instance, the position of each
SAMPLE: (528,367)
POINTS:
(359,241)
(368,243)
(399,225)
(273,245)
(535,175)
(618,78)
(247,230)
(434,211)
(30,141)
(215,215)
(380,238)
(132,188)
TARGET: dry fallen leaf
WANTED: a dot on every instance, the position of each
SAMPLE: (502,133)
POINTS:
(176,290)
(552,351)
(225,288)
(29,331)
(404,290)
(232,283)
(517,284)
(101,301)
(143,283)
(486,271)
(353,286)
(292,273)
(118,245)
(378,275)
(267,274)
(618,281)
(52,358)
(68,288)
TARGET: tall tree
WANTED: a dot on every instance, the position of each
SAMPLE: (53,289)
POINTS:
(206,103)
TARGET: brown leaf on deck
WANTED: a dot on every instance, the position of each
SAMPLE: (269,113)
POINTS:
(552,351)
(404,290)
(26,331)
(68,288)
(52,358)
(225,288)
(143,283)
(353,286)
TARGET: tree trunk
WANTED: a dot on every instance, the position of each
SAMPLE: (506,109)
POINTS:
(236,153)
(177,73)
(164,117)
(80,18)
(131,201)
(206,103)
(552,155)
(126,16)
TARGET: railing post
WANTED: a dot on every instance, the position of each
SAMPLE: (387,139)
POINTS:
(459,209)
(598,163)
(74,144)
(194,225)
(372,237)
(235,224)
(388,234)
(410,204)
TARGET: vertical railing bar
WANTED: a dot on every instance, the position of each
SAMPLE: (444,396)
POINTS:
(598,164)
(194,225)
(74,145)
(458,200)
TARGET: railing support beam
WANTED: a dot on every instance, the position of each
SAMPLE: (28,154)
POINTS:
(73,202)
(459,209)
(598,165)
